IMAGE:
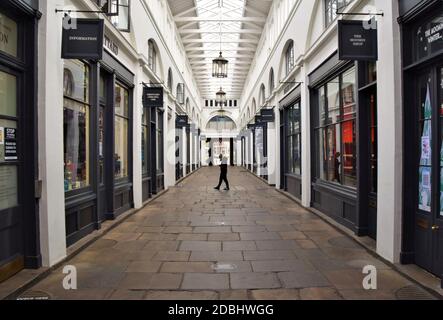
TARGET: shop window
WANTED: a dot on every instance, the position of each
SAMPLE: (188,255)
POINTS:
(76,125)
(293,139)
(145,139)
(336,131)
(8,123)
(121,132)
(331,7)
(160,165)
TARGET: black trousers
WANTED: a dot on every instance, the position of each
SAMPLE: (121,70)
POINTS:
(223,176)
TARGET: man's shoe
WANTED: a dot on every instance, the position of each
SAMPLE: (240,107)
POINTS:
(217,188)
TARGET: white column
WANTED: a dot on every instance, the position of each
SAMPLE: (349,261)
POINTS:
(237,144)
(272,164)
(137,141)
(50,131)
(185,151)
(276,148)
(251,149)
(306,143)
(169,147)
(390,148)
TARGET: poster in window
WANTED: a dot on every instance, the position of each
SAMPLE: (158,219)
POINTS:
(425,148)
(441,180)
(424,198)
(441,192)
(425,157)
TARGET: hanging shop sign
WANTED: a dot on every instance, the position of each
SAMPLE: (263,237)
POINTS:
(85,41)
(9,142)
(251,126)
(267,115)
(357,42)
(258,121)
(152,97)
(181,122)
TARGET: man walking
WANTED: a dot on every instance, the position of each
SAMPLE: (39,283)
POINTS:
(223,173)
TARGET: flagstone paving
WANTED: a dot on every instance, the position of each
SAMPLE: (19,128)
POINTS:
(249,243)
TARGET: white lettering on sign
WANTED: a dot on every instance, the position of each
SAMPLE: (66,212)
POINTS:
(433,34)
(111,45)
(78,38)
(358,40)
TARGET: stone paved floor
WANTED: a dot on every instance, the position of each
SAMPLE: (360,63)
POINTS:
(249,243)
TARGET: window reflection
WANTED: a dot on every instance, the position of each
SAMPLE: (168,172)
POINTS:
(336,136)
(121,132)
(76,126)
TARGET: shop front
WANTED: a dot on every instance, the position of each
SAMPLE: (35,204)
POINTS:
(19,188)
(422,29)
(290,146)
(344,133)
(97,143)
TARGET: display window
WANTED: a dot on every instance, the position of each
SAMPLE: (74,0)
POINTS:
(76,117)
(121,132)
(336,130)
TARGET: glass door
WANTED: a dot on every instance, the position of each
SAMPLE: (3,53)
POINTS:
(429,216)
(11,215)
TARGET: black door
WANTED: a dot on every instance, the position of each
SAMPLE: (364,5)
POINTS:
(429,209)
(282,151)
(370,154)
(11,176)
(373,162)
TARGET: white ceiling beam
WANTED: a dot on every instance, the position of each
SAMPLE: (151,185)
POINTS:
(203,19)
(228,56)
(200,31)
(223,41)
(185,12)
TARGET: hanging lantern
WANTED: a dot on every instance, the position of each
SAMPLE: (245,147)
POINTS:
(220,67)
(221,97)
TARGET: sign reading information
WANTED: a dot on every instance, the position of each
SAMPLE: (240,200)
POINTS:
(267,115)
(356,42)
(152,97)
(84,41)
(8,35)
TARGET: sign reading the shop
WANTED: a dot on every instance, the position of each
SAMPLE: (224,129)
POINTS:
(355,42)
(10,140)
(111,45)
(8,35)
(152,97)
(267,115)
(429,38)
(85,41)
(181,121)
(258,121)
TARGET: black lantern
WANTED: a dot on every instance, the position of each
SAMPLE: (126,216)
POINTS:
(221,97)
(220,67)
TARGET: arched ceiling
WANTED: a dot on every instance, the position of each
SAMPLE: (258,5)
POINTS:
(237,24)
